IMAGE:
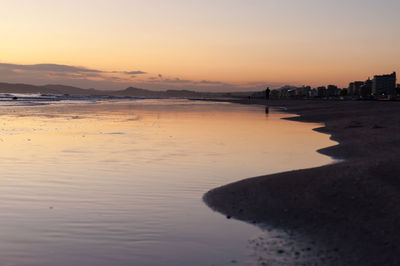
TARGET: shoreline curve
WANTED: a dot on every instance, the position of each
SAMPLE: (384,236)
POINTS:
(351,207)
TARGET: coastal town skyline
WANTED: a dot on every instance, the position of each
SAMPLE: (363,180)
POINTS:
(383,86)
(205,46)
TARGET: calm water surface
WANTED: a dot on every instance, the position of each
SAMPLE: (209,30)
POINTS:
(121,183)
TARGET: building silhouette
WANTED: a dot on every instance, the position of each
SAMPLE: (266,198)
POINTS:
(350,89)
(355,88)
(366,89)
(384,85)
(332,90)
(321,91)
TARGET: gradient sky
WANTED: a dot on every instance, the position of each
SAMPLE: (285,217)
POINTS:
(204,44)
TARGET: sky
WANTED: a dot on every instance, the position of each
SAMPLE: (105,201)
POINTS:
(205,45)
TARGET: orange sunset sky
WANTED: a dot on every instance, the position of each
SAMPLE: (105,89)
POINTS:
(218,45)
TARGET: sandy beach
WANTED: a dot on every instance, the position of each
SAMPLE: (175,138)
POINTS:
(350,208)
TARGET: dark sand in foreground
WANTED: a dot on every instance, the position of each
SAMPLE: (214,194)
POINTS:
(351,208)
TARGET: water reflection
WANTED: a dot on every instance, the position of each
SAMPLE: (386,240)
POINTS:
(120,183)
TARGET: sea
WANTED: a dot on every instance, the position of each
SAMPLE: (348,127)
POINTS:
(96,180)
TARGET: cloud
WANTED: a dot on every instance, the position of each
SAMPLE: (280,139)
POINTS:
(137,72)
(211,82)
(44,73)
(177,80)
(48,68)
(57,69)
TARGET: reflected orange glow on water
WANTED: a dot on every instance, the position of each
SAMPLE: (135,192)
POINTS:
(125,179)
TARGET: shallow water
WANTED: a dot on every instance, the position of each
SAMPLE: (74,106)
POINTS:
(121,183)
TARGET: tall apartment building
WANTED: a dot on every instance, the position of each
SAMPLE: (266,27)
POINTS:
(384,85)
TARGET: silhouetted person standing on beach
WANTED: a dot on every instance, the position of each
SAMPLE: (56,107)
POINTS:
(267,92)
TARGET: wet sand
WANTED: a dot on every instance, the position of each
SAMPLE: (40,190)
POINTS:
(349,210)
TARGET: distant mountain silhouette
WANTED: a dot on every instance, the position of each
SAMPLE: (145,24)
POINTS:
(24,88)
(69,90)
(131,91)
